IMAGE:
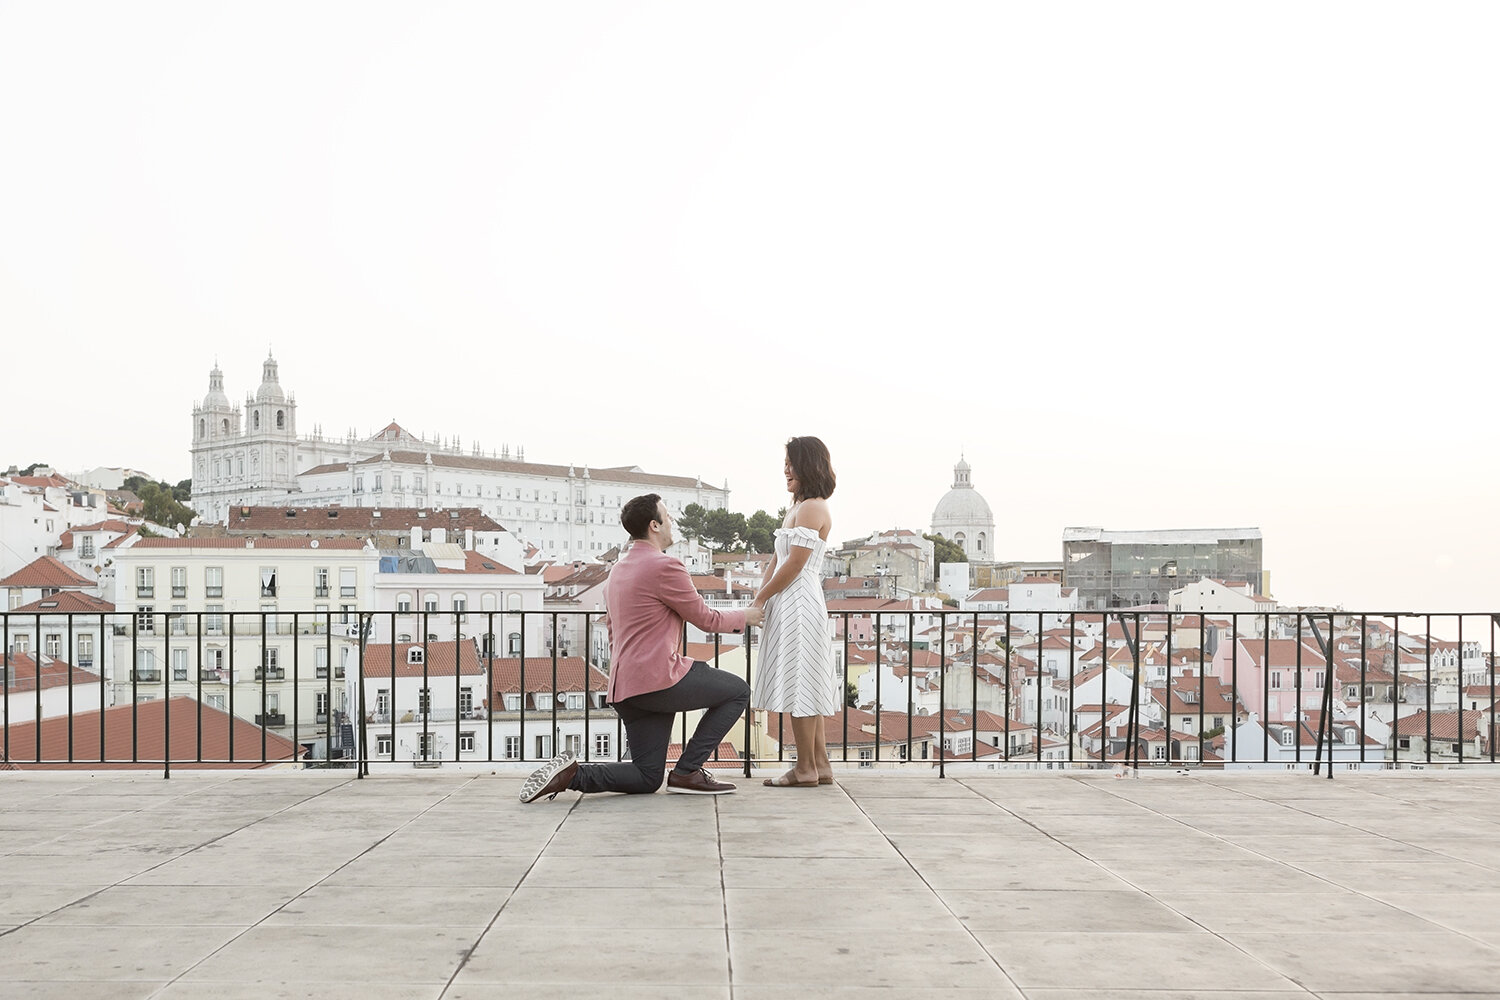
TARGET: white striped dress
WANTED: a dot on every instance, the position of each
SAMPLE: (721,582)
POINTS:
(795,672)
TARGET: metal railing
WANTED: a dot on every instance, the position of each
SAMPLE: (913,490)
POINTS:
(940,687)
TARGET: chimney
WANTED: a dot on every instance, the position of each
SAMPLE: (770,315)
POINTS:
(439,535)
(416,536)
(469,539)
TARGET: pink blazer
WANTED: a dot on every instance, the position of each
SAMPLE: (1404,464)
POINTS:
(649,595)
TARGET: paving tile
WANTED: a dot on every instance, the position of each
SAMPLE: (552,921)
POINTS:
(606,871)
(1158,875)
(1124,911)
(153,953)
(594,908)
(74,990)
(405,871)
(668,956)
(1333,960)
(1037,993)
(1196,960)
(994,991)
(856,909)
(233,906)
(21,903)
(819,873)
(462,990)
(891,959)
(396,906)
(1380,878)
(1302,912)
(196,990)
(337,954)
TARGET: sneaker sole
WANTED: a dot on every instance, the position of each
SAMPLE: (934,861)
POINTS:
(542,775)
(697,791)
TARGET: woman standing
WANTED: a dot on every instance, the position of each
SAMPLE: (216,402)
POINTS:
(796,673)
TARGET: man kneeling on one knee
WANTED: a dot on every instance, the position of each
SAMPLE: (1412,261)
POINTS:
(648,597)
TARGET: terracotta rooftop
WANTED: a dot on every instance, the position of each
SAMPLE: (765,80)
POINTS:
(152,717)
(45,572)
(359,519)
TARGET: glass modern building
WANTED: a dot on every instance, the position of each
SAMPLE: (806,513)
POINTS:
(1114,569)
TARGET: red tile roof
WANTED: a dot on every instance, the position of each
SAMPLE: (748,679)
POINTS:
(477,562)
(570,675)
(241,543)
(440,660)
(729,757)
(54,673)
(363,519)
(67,602)
(45,572)
(147,721)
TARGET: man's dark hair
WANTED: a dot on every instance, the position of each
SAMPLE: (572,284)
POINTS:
(639,512)
(811,465)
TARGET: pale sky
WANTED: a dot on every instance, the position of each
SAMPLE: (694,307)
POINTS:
(1147,265)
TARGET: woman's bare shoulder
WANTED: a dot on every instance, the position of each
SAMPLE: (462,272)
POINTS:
(813,513)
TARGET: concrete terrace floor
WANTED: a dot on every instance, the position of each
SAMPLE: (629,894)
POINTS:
(427,884)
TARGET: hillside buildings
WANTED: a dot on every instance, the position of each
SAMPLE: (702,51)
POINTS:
(252,455)
(1113,569)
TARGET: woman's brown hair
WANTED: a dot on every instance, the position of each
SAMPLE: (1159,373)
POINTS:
(812,467)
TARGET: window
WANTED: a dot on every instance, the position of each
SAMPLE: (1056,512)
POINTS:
(268,581)
(424,702)
(427,744)
(466,701)
(512,748)
(513,644)
(544,747)
(512,703)
(573,744)
(145,665)
(320,661)
(383,745)
(320,582)
(359,484)
(213,620)
(601,744)
(1158,751)
(465,742)
(20,642)
(396,481)
(178,619)
(144,621)
(403,604)
(322,706)
(213,581)
(417,483)
(268,611)
(1218,722)
(86,547)
(430,603)
(1275,679)
(270,662)
(1286,737)
(86,650)
(179,581)
(145,581)
(460,605)
(575,701)
(346,581)
(414,655)
(1404,743)
(179,664)
(52,645)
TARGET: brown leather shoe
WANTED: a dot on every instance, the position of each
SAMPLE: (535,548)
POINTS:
(551,778)
(700,782)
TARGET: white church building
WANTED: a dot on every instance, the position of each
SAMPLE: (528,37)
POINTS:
(963,516)
(253,455)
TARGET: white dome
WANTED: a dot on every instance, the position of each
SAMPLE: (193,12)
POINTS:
(962,506)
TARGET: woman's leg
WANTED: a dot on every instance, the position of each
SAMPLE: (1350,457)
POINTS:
(825,766)
(805,736)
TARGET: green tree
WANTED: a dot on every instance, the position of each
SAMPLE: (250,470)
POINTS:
(944,551)
(183,491)
(694,521)
(760,532)
(851,694)
(159,507)
(724,529)
(30,470)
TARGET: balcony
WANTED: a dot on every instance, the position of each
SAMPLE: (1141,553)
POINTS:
(320,591)
(977,886)
(271,719)
(146,676)
(270,674)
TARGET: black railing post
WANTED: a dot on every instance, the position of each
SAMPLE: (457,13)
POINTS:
(942,701)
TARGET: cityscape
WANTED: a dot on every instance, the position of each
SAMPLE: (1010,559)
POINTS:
(322,592)
(1074,432)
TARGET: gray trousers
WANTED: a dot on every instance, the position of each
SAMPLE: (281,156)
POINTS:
(648,722)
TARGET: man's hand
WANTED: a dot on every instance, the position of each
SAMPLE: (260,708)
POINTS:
(754,615)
